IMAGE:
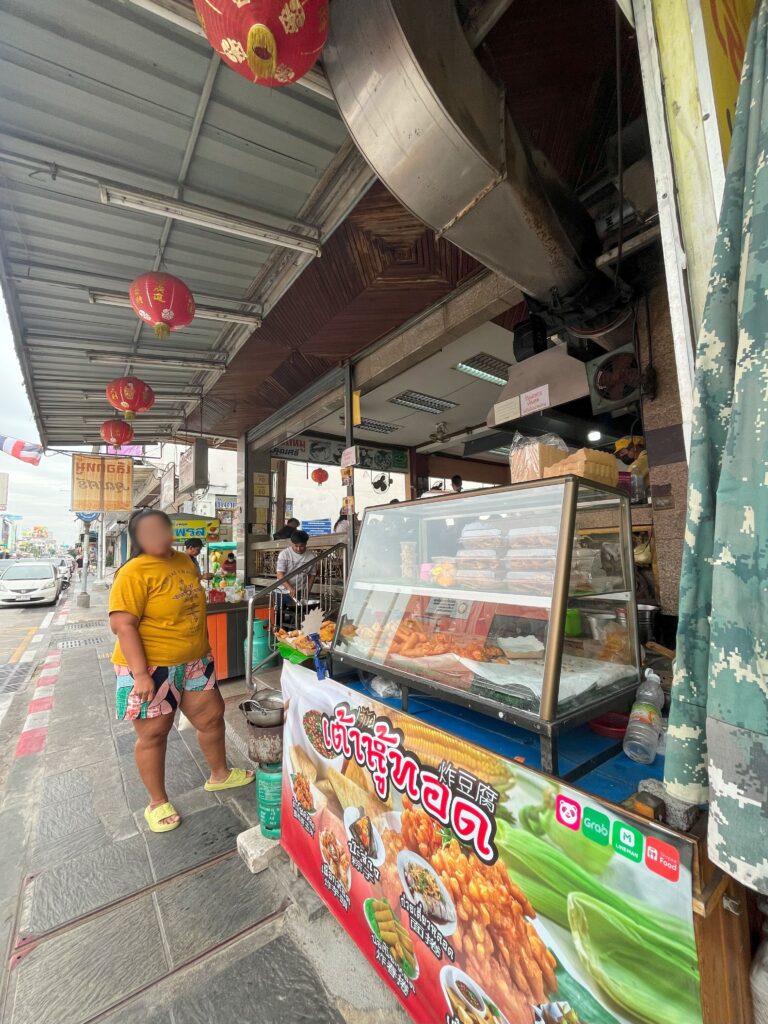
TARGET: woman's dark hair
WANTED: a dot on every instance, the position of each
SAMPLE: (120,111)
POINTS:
(138,516)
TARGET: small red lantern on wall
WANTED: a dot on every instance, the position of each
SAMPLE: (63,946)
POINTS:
(270,42)
(130,396)
(163,301)
(116,432)
(319,476)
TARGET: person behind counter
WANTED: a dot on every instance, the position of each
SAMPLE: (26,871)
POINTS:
(163,661)
(284,533)
(291,558)
(193,547)
(342,523)
(229,565)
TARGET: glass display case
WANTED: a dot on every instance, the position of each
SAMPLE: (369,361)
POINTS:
(501,600)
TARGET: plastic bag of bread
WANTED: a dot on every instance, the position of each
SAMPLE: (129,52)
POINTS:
(530,456)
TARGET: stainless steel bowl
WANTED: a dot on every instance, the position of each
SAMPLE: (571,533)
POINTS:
(266,708)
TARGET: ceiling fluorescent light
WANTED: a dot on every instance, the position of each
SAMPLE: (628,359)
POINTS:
(594,435)
(175,361)
(105,298)
(485,367)
(377,426)
(202,217)
(423,403)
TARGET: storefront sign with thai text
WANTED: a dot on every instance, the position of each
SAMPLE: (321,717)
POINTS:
(101,483)
(481,890)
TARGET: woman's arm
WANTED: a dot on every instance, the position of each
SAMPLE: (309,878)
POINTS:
(126,629)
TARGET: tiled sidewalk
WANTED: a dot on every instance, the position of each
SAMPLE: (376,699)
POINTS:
(112,923)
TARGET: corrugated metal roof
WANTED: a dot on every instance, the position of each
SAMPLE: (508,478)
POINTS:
(101,89)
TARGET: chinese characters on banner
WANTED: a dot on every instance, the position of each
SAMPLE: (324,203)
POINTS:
(101,483)
(479,889)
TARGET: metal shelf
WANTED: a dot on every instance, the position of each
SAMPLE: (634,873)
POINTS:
(486,596)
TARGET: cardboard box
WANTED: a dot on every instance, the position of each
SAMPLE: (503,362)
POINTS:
(601,467)
(530,461)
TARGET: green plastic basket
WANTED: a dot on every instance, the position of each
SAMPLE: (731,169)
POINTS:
(291,654)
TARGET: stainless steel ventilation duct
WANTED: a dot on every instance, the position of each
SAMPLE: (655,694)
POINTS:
(435,128)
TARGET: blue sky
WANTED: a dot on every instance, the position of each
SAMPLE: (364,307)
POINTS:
(39,493)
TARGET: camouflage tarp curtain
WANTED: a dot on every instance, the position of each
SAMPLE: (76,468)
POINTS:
(718,730)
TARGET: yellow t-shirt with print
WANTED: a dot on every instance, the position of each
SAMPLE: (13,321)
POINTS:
(166,597)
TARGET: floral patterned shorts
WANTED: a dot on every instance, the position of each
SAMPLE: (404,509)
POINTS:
(170,682)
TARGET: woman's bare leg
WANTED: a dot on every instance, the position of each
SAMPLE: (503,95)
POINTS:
(205,710)
(151,742)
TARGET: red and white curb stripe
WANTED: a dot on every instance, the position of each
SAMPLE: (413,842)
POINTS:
(34,734)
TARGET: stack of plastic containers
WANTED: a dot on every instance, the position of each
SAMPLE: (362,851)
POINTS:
(478,562)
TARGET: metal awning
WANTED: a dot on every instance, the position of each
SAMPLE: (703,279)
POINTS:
(110,101)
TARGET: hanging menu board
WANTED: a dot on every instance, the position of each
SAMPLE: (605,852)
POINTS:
(482,891)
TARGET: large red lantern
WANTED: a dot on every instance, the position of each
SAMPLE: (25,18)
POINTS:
(116,432)
(130,396)
(319,476)
(163,301)
(270,42)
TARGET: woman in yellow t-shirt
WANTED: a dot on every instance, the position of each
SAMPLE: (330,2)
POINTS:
(163,661)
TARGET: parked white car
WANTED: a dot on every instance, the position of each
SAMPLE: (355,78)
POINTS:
(30,582)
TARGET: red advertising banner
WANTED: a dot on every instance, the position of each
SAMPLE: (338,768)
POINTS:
(481,890)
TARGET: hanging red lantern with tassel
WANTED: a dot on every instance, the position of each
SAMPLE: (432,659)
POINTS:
(163,301)
(270,42)
(130,396)
(319,476)
(116,432)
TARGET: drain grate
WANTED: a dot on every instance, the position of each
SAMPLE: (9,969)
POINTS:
(85,641)
(11,677)
(86,624)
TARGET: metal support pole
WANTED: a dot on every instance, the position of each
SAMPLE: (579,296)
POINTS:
(553,656)
(349,441)
(101,550)
(249,645)
(84,598)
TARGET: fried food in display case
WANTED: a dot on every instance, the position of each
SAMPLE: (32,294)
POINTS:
(487,565)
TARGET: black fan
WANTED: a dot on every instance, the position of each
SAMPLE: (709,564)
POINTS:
(382,483)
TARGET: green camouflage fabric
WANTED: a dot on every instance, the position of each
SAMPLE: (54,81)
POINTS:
(718,726)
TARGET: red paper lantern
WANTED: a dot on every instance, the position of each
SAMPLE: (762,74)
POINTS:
(270,42)
(163,301)
(116,432)
(319,476)
(130,396)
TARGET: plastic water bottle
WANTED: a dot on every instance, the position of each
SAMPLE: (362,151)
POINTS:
(641,739)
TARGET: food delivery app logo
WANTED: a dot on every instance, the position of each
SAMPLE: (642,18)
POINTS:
(596,826)
(568,812)
(627,841)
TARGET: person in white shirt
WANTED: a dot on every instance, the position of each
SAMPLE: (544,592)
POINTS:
(291,558)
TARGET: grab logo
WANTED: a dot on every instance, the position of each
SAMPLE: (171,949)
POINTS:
(596,826)
(662,859)
(568,812)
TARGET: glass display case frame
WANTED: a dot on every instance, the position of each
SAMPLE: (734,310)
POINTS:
(550,719)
